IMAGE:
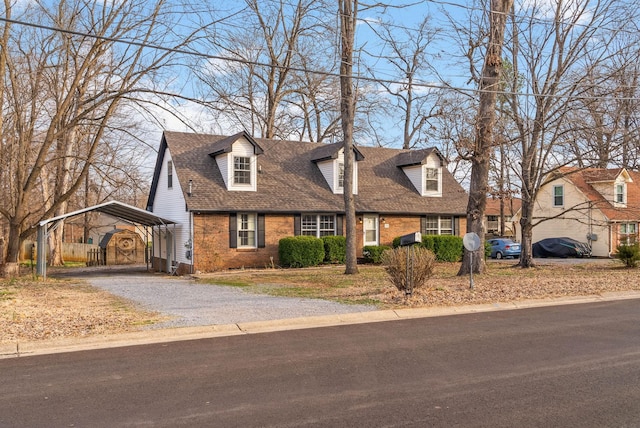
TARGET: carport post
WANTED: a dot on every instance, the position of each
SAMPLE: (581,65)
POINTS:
(41,260)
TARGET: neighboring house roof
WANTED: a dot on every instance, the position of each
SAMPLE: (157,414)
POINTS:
(289,180)
(584,179)
(511,206)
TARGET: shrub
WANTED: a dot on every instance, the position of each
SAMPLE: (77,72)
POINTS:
(335,249)
(373,253)
(395,264)
(629,254)
(448,248)
(301,251)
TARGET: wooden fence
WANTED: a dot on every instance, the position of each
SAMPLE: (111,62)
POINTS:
(71,251)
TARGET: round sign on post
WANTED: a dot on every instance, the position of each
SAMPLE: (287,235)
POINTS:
(471,242)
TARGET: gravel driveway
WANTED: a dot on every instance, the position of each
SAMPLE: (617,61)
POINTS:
(192,304)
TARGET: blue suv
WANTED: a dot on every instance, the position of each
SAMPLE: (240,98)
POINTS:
(504,247)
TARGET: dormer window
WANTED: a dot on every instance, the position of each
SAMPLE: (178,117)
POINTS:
(330,161)
(424,169)
(341,175)
(620,194)
(236,157)
(241,170)
(432,180)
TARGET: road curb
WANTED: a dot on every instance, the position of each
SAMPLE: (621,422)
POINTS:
(22,349)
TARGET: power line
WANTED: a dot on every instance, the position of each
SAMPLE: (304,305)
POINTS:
(469,91)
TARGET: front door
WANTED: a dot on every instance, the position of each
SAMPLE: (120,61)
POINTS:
(370,226)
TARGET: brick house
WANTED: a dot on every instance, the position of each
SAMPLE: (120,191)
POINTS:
(594,205)
(234,197)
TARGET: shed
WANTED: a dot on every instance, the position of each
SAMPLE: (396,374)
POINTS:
(123,247)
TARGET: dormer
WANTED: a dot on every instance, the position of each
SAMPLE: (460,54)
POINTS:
(424,169)
(236,157)
(330,161)
(611,184)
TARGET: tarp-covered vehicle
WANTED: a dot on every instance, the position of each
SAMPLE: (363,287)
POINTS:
(561,247)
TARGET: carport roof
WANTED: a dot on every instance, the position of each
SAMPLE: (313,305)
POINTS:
(119,210)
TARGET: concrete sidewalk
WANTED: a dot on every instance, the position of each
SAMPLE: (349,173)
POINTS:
(22,349)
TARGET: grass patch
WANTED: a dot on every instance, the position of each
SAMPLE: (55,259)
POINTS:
(227,283)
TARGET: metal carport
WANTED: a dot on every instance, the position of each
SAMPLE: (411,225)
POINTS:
(115,209)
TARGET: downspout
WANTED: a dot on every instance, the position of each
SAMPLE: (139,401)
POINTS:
(191,241)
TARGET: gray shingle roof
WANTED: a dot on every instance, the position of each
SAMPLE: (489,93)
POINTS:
(290,181)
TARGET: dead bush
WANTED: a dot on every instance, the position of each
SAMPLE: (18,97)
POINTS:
(421,265)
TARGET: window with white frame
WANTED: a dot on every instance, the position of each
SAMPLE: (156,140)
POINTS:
(169,174)
(436,225)
(620,194)
(432,179)
(241,170)
(446,226)
(247,231)
(628,233)
(558,196)
(341,175)
(318,225)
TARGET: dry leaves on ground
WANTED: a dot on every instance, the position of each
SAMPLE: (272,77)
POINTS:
(35,310)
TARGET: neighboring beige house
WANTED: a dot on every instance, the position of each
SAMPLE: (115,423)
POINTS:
(492,223)
(598,206)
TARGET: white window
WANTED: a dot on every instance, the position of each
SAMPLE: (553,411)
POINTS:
(241,170)
(628,233)
(318,225)
(436,225)
(341,175)
(246,231)
(432,183)
(620,193)
(169,174)
(446,226)
(558,196)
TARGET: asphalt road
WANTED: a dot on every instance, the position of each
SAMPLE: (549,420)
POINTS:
(560,366)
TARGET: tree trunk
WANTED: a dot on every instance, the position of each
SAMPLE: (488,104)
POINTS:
(489,85)
(526,246)
(348,11)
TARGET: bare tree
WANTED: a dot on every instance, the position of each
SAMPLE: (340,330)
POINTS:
(484,138)
(406,50)
(66,75)
(264,84)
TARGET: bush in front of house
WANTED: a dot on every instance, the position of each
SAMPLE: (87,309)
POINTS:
(447,248)
(395,264)
(335,248)
(301,251)
(629,254)
(373,253)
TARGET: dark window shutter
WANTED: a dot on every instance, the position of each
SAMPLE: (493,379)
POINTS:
(423,224)
(233,230)
(261,243)
(297,224)
(339,224)
(456,225)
